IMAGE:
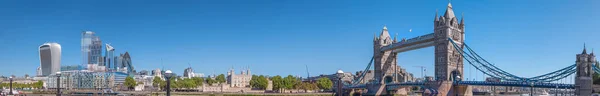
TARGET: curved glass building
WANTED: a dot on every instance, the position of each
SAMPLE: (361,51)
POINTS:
(49,58)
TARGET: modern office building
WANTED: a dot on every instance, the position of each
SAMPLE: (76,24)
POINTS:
(38,71)
(109,58)
(69,68)
(157,73)
(49,58)
(188,72)
(86,80)
(124,63)
(91,48)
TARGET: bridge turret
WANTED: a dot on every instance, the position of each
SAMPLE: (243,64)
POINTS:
(583,79)
(448,62)
(384,60)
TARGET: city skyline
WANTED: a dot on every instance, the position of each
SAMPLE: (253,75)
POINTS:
(281,40)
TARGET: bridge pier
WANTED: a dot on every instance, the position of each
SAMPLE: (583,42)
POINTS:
(376,89)
(447,88)
(402,91)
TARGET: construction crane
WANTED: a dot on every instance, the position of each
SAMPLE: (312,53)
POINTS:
(307,73)
(422,70)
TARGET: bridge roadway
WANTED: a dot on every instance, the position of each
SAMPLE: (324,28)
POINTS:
(476,83)
(411,44)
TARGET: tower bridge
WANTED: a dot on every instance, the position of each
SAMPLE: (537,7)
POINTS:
(450,53)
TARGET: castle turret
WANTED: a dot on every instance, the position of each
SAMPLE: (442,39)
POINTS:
(248,71)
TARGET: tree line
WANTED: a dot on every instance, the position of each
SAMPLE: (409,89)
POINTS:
(37,85)
(282,84)
(279,83)
(178,83)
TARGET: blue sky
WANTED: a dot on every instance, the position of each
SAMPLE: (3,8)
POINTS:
(280,37)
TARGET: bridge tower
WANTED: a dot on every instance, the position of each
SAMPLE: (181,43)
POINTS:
(583,78)
(384,60)
(448,62)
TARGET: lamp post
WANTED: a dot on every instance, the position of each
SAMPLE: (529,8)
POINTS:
(10,92)
(531,89)
(58,84)
(340,75)
(168,74)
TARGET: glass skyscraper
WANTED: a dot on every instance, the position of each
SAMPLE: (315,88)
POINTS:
(109,60)
(91,48)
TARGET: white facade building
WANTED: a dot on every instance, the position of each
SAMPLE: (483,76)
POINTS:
(49,58)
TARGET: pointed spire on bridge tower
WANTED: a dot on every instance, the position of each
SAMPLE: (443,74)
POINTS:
(584,52)
(384,27)
(435,18)
(384,37)
(374,36)
(592,52)
(384,33)
(396,37)
(462,18)
(449,12)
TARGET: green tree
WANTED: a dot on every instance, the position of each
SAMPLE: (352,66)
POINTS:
(220,78)
(210,81)
(262,82)
(187,83)
(163,85)
(198,81)
(254,81)
(277,83)
(38,84)
(174,83)
(289,82)
(129,82)
(156,81)
(259,82)
(306,86)
(324,83)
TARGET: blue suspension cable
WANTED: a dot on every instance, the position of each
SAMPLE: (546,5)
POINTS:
(497,72)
